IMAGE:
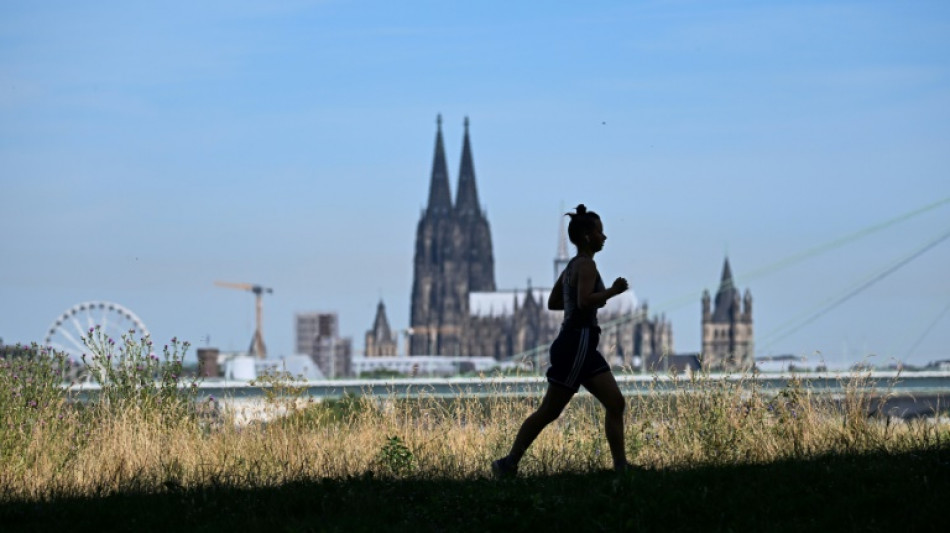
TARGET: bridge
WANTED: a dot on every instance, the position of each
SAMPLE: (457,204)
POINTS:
(905,395)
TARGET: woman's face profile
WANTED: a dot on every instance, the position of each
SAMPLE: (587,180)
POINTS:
(597,237)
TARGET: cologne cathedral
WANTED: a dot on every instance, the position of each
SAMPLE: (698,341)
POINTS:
(456,308)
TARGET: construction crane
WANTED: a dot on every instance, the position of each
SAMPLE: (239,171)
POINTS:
(257,343)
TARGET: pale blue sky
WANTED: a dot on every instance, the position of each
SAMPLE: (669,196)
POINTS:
(148,149)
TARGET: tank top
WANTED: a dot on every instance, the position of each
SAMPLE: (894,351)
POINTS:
(574,316)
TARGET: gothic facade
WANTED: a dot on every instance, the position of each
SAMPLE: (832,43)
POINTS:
(727,327)
(456,308)
(453,257)
(380,340)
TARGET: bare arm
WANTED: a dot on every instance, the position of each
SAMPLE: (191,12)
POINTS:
(556,299)
(587,281)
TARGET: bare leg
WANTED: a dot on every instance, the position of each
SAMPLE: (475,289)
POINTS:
(604,388)
(555,399)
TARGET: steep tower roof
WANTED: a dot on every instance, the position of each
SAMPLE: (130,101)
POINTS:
(440,198)
(466,201)
(726,297)
(726,279)
(381,328)
(562,242)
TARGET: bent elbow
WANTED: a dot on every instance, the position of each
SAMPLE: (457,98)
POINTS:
(590,305)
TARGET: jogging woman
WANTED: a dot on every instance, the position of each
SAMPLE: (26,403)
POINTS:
(575,361)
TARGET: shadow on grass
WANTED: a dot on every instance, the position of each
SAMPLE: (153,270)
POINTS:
(868,492)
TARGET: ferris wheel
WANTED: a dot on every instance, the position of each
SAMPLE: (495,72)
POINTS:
(66,333)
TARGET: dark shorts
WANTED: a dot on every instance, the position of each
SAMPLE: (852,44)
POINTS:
(574,357)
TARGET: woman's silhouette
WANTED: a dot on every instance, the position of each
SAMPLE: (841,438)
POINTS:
(575,361)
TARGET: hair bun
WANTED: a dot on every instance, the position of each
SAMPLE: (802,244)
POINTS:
(581,209)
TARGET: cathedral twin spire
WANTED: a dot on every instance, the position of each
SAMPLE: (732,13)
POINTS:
(440,199)
(466,202)
(440,196)
(453,257)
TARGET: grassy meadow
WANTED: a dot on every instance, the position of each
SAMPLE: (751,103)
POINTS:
(150,454)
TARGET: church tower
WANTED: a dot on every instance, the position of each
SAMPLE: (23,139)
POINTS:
(453,256)
(562,258)
(433,251)
(727,327)
(380,341)
(476,246)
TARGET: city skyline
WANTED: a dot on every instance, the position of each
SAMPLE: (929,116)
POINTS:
(148,152)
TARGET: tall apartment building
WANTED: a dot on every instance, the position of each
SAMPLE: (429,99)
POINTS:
(318,335)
